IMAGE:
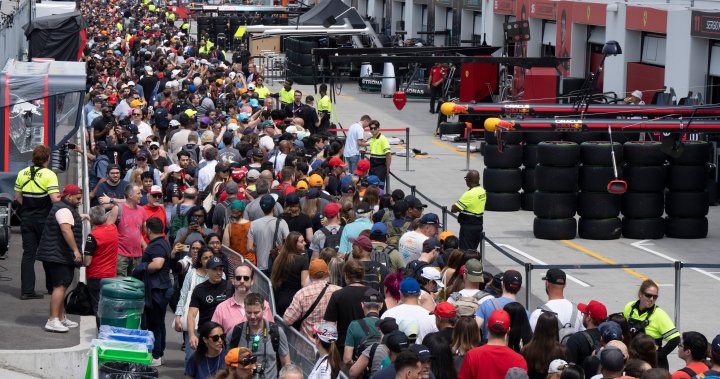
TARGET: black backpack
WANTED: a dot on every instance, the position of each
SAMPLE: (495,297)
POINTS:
(77,301)
(332,239)
(373,276)
(381,255)
(371,340)
(233,339)
(413,268)
(160,118)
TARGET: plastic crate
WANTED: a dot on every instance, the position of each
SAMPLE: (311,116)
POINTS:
(127,335)
(118,351)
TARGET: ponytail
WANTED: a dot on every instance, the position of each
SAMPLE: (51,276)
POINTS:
(333,358)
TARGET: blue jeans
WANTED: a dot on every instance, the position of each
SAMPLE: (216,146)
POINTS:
(352,162)
(188,350)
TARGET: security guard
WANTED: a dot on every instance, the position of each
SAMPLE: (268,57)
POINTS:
(36,189)
(471,206)
(286,94)
(380,154)
(324,109)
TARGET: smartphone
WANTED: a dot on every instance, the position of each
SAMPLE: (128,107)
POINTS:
(71,146)
(186,247)
(193,220)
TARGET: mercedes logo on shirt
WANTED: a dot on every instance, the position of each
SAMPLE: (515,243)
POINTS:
(209,299)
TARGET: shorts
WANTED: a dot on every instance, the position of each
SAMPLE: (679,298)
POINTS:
(60,274)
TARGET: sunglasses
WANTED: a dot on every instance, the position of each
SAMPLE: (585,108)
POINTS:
(156,195)
(137,114)
(217,337)
(154,148)
(650,296)
(247,361)
(241,278)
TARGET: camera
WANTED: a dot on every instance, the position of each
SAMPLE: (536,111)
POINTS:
(71,146)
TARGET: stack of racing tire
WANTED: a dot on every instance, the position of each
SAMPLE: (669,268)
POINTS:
(687,201)
(642,204)
(556,181)
(598,208)
(502,177)
(530,160)
(299,59)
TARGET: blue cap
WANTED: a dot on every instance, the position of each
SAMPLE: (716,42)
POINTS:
(267,202)
(192,88)
(292,198)
(610,330)
(254,103)
(214,262)
(243,116)
(378,229)
(373,180)
(410,286)
(430,219)
(347,187)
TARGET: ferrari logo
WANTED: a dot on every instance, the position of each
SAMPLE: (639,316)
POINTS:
(467,73)
(587,12)
(645,18)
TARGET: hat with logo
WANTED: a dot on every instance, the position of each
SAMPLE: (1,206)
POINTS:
(512,279)
(363,207)
(445,310)
(347,187)
(363,242)
(373,180)
(610,330)
(474,271)
(317,266)
(71,189)
(421,350)
(238,174)
(430,219)
(555,276)
(156,190)
(372,295)
(132,139)
(499,321)
(362,167)
(715,349)
(395,341)
(379,229)
(612,359)
(432,273)
(327,332)
(387,325)
(410,286)
(595,309)
(214,262)
(556,366)
(240,357)
(332,210)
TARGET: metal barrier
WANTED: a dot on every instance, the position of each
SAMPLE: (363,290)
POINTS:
(275,66)
(261,283)
(677,266)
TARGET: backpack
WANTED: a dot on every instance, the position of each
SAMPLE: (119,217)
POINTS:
(178,222)
(395,232)
(332,239)
(373,277)
(77,301)
(413,268)
(381,255)
(371,340)
(192,150)
(709,374)
(273,333)
(565,330)
(160,118)
(467,300)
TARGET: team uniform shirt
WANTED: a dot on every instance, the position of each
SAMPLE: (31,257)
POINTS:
(102,245)
(130,231)
(36,191)
(490,362)
(410,245)
(661,326)
(230,313)
(472,206)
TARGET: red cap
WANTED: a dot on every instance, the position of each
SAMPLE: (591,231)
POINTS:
(332,210)
(336,162)
(595,309)
(238,174)
(499,321)
(445,310)
(71,189)
(362,167)
(363,242)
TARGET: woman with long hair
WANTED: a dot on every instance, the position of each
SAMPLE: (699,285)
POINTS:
(209,358)
(544,347)
(174,186)
(452,264)
(372,196)
(455,283)
(520,331)
(643,347)
(335,265)
(289,271)
(236,232)
(441,362)
(312,207)
(328,366)
(465,337)
(197,275)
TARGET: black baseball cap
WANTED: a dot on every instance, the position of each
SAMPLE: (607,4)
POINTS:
(387,325)
(414,202)
(512,279)
(421,350)
(363,207)
(396,341)
(372,296)
(555,276)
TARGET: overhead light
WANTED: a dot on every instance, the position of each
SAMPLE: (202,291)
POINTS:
(611,48)
(332,20)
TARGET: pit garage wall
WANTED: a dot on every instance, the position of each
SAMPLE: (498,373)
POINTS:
(687,61)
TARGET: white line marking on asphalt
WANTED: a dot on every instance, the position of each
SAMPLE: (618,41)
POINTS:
(639,245)
(530,257)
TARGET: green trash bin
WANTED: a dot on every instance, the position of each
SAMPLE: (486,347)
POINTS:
(126,280)
(121,305)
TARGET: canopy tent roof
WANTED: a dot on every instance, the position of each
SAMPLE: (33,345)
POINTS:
(56,21)
(35,80)
(320,12)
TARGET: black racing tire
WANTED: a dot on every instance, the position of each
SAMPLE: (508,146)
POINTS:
(643,153)
(694,153)
(600,229)
(558,153)
(622,137)
(304,59)
(452,128)
(596,178)
(534,138)
(598,153)
(645,178)
(502,179)
(687,178)
(503,201)
(555,229)
(527,201)
(580,137)
(643,228)
(555,204)
(528,180)
(510,138)
(530,154)
(598,205)
(556,179)
(643,204)
(4,239)
(687,228)
(510,157)
(687,204)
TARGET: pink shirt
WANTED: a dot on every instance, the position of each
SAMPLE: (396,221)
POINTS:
(229,313)
(130,231)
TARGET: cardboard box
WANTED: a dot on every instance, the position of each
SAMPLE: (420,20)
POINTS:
(264,45)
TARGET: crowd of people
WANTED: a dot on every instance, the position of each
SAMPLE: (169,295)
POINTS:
(189,151)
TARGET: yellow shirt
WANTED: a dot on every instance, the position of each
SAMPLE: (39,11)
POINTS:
(379,147)
(472,202)
(324,104)
(287,97)
(36,190)
(660,325)
(262,91)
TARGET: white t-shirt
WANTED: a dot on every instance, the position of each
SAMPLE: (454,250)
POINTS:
(355,133)
(322,369)
(564,309)
(64,216)
(206,175)
(469,292)
(410,245)
(144,131)
(408,312)
(267,143)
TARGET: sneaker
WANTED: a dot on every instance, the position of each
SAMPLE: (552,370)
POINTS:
(31,296)
(156,362)
(69,324)
(56,326)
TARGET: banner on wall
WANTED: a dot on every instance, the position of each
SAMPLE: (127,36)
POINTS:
(564,33)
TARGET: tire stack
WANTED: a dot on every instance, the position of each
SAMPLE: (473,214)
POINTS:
(687,200)
(556,180)
(502,177)
(205,26)
(598,209)
(642,204)
(530,160)
(299,59)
